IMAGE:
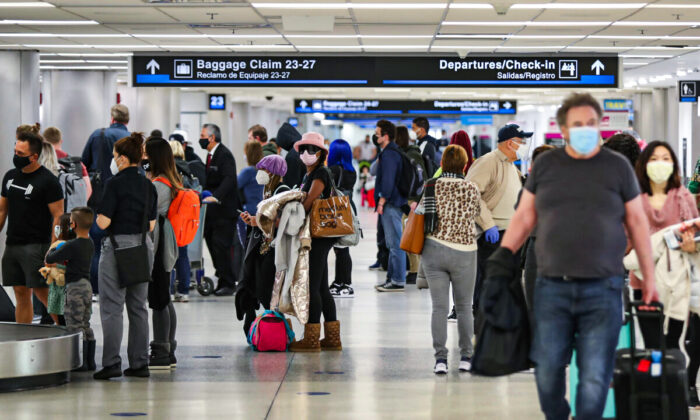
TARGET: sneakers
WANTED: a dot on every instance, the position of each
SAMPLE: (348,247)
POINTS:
(390,287)
(181,298)
(377,266)
(411,278)
(465,365)
(440,367)
(160,356)
(452,317)
(109,372)
(341,291)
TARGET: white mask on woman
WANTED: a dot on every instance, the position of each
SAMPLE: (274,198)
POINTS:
(113,167)
(659,171)
(308,158)
(262,177)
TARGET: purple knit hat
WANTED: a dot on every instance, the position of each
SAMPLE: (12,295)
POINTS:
(274,164)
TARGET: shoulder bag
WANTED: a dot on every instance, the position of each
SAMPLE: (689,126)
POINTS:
(332,217)
(413,235)
(133,263)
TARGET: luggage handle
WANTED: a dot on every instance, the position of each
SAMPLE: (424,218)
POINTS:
(639,310)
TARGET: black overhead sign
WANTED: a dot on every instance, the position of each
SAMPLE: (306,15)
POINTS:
(391,107)
(367,71)
(688,90)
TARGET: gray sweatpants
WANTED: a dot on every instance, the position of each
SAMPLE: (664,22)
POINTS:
(112,301)
(444,265)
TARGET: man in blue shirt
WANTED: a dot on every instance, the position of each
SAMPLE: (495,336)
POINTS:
(389,203)
(97,157)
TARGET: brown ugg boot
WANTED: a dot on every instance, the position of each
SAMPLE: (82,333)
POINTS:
(331,336)
(310,343)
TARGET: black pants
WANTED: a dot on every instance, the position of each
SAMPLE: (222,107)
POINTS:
(382,250)
(219,233)
(343,266)
(320,299)
(485,249)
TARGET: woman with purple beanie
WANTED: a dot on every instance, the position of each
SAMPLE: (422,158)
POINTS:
(255,287)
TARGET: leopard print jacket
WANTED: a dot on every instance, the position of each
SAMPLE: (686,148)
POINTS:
(458,203)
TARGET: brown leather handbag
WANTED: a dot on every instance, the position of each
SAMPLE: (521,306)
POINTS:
(413,235)
(331,217)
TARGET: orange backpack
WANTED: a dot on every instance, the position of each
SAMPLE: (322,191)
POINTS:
(183,214)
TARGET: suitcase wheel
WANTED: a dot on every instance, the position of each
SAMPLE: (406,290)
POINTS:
(206,286)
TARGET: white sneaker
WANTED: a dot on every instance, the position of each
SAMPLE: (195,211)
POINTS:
(440,367)
(181,298)
(465,365)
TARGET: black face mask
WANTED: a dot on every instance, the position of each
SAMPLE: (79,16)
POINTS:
(203,143)
(146,165)
(20,161)
(375,140)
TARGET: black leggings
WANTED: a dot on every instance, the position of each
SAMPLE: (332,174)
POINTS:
(343,266)
(320,299)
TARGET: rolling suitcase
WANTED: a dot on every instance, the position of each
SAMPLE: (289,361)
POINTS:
(638,394)
(7,308)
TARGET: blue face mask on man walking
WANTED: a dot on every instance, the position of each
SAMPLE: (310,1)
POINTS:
(583,139)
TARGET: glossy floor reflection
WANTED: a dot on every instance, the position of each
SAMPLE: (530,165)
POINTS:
(385,371)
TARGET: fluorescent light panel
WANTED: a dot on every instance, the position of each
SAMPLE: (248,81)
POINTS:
(524,23)
(83,67)
(82,61)
(578,6)
(26,4)
(47,22)
(85,54)
(344,6)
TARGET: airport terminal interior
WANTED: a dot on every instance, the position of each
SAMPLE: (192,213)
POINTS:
(336,68)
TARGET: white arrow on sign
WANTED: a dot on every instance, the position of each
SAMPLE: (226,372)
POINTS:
(304,104)
(507,105)
(597,66)
(153,66)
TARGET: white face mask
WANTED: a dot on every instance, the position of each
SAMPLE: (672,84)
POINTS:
(523,151)
(308,158)
(659,171)
(412,134)
(262,177)
(113,167)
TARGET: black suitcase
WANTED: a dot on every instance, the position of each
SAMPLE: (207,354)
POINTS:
(640,396)
(7,308)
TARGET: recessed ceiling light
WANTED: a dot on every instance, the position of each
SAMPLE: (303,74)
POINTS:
(343,6)
(83,67)
(45,35)
(673,6)
(74,46)
(85,54)
(524,23)
(26,4)
(654,23)
(48,22)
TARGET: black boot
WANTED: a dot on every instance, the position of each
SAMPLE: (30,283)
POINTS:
(91,345)
(86,354)
(173,360)
(693,401)
(160,356)
(108,372)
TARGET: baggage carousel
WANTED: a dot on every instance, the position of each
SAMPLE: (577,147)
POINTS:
(36,356)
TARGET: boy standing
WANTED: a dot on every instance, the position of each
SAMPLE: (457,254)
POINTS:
(77,255)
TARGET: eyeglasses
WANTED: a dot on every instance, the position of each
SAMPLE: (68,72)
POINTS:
(309,148)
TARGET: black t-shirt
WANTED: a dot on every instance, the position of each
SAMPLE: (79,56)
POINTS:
(124,200)
(321,173)
(76,254)
(29,219)
(580,206)
(344,179)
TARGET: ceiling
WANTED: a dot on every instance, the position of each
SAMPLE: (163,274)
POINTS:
(101,34)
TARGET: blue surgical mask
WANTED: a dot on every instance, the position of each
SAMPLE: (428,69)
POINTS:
(583,139)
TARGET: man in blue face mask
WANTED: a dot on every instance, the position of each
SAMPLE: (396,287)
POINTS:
(586,197)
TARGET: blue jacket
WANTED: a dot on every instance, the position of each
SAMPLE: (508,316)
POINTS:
(97,156)
(252,191)
(388,169)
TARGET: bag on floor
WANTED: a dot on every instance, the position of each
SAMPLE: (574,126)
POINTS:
(638,394)
(270,332)
(7,308)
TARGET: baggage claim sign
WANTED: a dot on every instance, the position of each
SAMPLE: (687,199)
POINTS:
(367,71)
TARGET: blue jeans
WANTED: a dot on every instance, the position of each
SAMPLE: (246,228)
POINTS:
(391,221)
(181,272)
(96,234)
(581,314)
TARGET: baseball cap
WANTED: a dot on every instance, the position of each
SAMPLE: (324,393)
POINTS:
(179,135)
(512,130)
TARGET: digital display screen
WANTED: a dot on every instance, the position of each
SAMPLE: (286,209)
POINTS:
(217,101)
(397,107)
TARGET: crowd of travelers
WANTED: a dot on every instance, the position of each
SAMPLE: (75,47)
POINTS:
(116,226)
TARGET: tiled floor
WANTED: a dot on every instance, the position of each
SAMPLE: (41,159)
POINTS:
(385,371)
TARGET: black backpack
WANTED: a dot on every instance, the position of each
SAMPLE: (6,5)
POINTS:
(411,178)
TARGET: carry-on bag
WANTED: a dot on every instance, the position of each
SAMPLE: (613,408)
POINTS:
(643,393)
(270,332)
(332,217)
(413,236)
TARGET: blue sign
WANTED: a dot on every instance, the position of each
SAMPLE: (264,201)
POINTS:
(617,105)
(217,101)
(476,120)
(688,91)
(401,107)
(293,121)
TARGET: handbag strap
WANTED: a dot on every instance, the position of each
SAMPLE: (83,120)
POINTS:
(334,189)
(144,223)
